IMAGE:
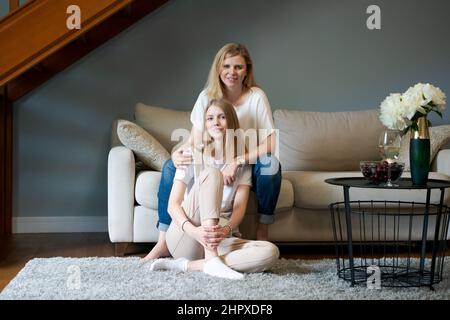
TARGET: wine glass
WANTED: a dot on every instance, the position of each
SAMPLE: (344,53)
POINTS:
(389,147)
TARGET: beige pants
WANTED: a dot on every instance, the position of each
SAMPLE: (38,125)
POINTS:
(203,203)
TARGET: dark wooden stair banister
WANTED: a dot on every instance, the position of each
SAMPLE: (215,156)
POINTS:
(13,5)
(47,59)
(50,16)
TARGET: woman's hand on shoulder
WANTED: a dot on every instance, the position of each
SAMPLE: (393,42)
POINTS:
(182,158)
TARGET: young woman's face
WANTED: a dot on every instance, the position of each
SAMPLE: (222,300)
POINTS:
(233,71)
(216,123)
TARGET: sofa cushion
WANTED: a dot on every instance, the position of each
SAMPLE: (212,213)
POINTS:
(162,123)
(146,191)
(285,200)
(312,192)
(327,141)
(143,144)
(144,223)
(147,185)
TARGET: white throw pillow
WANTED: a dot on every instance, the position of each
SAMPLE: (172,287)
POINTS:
(144,145)
(439,137)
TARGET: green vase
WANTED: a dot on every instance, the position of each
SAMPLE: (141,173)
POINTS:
(419,152)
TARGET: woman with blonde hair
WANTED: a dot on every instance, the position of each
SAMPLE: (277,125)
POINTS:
(230,77)
(199,201)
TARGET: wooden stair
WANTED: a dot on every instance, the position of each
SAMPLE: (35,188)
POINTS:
(35,44)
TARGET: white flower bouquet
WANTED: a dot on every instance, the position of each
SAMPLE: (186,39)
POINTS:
(401,111)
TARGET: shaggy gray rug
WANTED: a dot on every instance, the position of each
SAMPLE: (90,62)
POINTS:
(125,278)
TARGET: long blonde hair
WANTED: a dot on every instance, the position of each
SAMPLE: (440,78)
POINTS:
(234,142)
(214,86)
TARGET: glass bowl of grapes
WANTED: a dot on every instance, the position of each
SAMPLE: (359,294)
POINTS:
(378,171)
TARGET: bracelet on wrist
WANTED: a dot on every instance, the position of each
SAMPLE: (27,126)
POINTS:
(182,225)
(240,161)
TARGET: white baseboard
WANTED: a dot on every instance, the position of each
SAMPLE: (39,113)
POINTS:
(59,224)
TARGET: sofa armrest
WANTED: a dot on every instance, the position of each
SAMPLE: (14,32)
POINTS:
(441,163)
(121,182)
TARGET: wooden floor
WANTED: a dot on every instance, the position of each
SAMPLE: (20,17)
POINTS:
(16,250)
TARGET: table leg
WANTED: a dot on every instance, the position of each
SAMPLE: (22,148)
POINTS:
(348,218)
(336,241)
(436,238)
(424,232)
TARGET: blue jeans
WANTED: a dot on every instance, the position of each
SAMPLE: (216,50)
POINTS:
(266,180)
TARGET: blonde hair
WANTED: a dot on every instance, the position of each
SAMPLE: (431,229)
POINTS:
(233,147)
(214,86)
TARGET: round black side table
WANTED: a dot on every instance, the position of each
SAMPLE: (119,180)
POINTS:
(383,235)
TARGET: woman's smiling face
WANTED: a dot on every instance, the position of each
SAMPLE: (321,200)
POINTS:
(233,72)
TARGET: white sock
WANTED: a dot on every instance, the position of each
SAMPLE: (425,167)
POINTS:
(215,267)
(179,264)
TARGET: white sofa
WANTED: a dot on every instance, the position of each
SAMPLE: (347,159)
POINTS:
(313,146)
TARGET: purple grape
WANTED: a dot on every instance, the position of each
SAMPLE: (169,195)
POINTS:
(377,171)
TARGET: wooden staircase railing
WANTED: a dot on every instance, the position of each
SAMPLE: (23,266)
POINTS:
(36,44)
(34,31)
(13,5)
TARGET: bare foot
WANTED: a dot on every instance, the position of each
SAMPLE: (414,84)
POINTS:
(262,232)
(159,251)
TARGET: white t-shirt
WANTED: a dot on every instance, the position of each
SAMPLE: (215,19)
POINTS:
(243,177)
(253,113)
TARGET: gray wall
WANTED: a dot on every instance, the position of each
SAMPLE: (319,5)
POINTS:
(4,8)
(309,55)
